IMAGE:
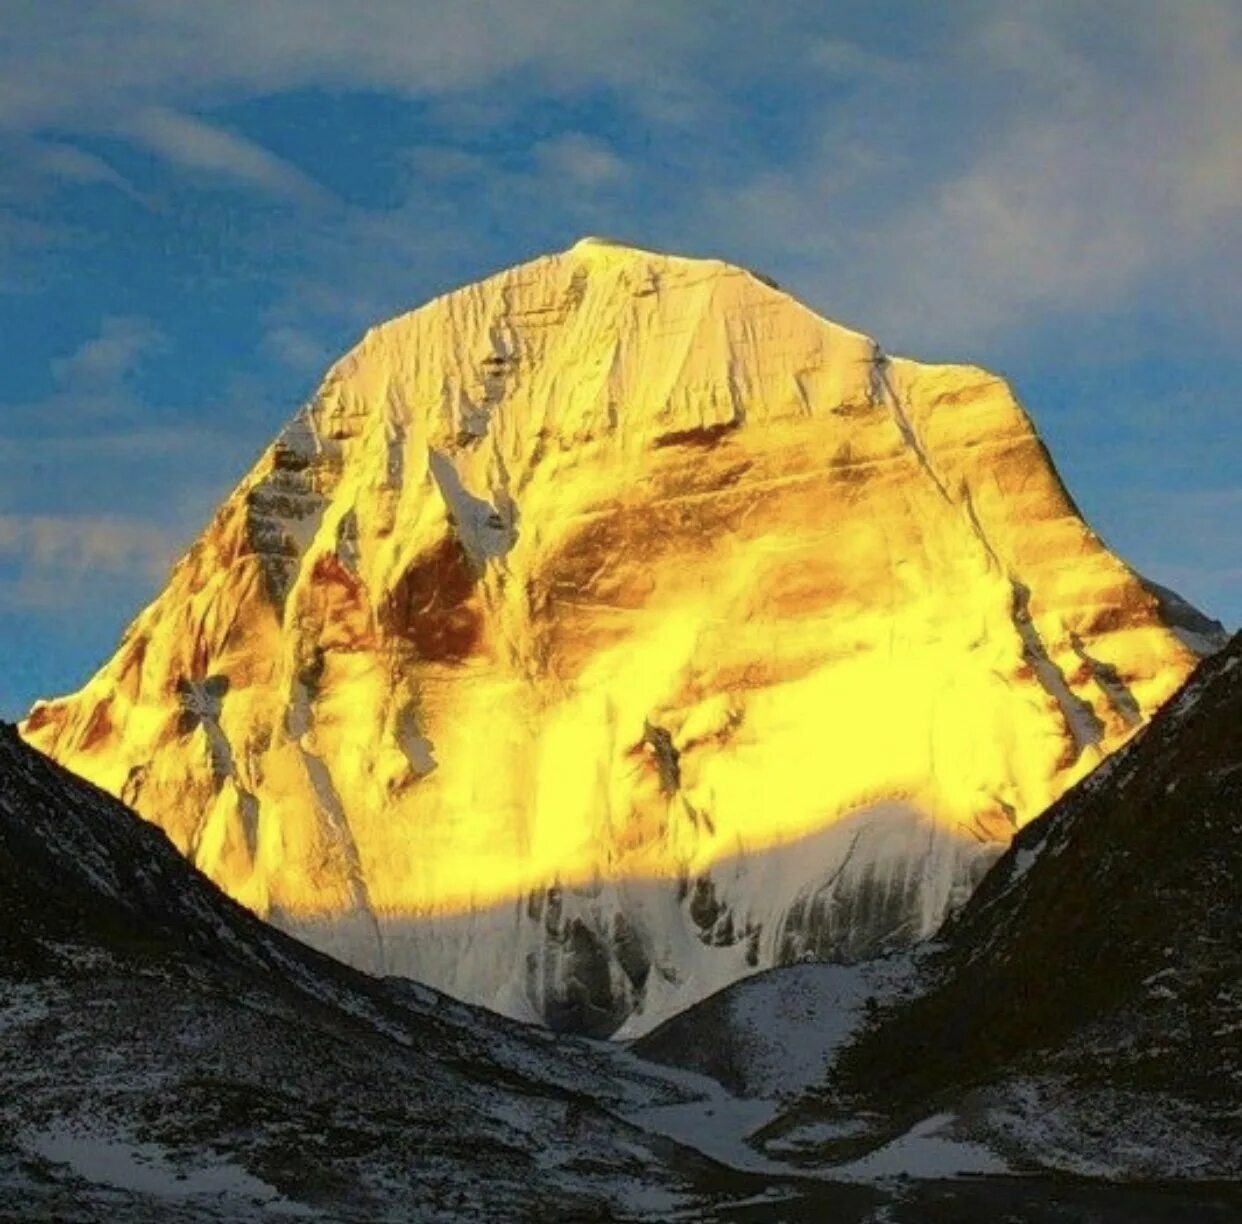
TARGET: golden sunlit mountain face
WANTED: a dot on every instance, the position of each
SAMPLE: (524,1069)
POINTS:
(616,567)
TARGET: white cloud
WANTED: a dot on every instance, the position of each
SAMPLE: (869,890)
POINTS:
(296,348)
(102,63)
(1113,181)
(105,361)
(93,385)
(79,542)
(1042,162)
(201,146)
(60,551)
(152,70)
(583,160)
(1014,162)
(70,164)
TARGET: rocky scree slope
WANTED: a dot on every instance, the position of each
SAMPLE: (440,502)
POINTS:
(616,627)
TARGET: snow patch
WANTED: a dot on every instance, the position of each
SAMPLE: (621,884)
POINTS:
(1023,860)
(147,1168)
(807,1138)
(717,1126)
(927,1150)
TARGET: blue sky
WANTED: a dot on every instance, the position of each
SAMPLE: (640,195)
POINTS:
(202,203)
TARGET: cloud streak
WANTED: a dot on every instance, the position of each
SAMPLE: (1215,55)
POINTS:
(1105,185)
(968,173)
(53,557)
(581,160)
(206,148)
(75,63)
(105,361)
(1052,161)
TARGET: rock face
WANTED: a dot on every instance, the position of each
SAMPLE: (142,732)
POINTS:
(614,627)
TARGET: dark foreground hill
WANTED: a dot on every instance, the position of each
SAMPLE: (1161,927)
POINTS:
(166,1056)
(1085,1011)
(1082,1015)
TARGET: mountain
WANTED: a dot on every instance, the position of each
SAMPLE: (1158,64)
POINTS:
(616,627)
(165,1056)
(1082,1014)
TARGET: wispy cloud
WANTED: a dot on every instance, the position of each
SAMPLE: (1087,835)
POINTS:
(207,148)
(296,348)
(77,543)
(74,165)
(961,173)
(1109,180)
(580,159)
(93,386)
(112,60)
(104,362)
(1035,162)
(53,559)
(155,70)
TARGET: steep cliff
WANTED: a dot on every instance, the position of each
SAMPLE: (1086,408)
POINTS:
(616,626)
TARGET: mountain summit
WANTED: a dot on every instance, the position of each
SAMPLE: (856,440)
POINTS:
(614,627)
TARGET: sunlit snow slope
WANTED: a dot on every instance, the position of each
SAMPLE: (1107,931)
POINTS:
(614,627)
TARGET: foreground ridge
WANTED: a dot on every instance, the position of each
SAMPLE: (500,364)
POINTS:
(169,1057)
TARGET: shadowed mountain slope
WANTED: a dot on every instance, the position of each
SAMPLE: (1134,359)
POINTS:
(1085,1010)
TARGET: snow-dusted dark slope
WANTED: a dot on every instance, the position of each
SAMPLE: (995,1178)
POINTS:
(1085,1011)
(1083,1014)
(164,1056)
